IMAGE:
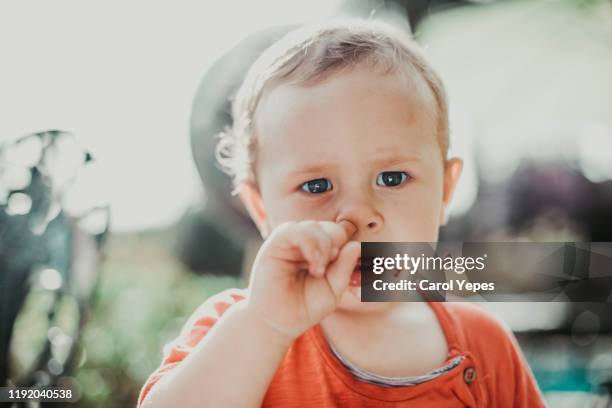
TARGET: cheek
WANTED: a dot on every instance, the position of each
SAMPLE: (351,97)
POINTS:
(414,224)
(286,208)
(415,218)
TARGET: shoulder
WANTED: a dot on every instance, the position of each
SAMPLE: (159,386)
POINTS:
(503,370)
(205,316)
(200,322)
(216,305)
(483,336)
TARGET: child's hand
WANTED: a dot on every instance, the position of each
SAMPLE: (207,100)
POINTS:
(300,273)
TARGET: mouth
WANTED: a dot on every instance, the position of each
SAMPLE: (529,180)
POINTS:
(356,275)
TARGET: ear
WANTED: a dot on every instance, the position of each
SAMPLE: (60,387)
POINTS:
(452,171)
(251,198)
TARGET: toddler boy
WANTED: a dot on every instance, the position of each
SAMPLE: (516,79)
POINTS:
(340,136)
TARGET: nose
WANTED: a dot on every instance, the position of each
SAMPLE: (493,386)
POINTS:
(361,209)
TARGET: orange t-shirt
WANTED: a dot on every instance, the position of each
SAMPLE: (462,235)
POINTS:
(493,372)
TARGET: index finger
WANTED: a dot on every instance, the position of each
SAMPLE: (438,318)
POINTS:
(348,227)
(340,233)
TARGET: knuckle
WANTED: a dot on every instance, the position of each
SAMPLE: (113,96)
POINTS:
(288,225)
(284,229)
(327,240)
(327,224)
(308,225)
(312,228)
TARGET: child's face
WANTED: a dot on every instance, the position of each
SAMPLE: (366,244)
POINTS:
(359,146)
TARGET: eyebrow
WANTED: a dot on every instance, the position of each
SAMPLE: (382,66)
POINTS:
(394,158)
(381,161)
(309,169)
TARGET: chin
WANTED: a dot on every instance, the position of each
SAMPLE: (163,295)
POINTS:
(351,302)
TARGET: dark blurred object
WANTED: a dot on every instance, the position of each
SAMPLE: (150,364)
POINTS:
(214,238)
(205,245)
(415,11)
(51,234)
(547,201)
(563,195)
(539,200)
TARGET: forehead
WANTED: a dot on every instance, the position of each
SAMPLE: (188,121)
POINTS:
(358,109)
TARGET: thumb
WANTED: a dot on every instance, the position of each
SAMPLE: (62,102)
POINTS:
(339,272)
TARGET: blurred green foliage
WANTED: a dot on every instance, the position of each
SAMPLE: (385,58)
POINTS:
(144,297)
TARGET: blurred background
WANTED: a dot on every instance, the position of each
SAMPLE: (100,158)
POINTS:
(115,223)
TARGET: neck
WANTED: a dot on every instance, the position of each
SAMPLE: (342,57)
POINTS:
(367,320)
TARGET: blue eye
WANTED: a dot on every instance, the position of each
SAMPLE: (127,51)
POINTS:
(317,186)
(391,178)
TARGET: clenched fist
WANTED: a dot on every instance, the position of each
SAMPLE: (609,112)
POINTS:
(300,273)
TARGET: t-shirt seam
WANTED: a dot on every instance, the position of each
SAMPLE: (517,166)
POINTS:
(392,382)
(350,386)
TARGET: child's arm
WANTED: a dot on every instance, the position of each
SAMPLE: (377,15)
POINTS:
(232,366)
(298,277)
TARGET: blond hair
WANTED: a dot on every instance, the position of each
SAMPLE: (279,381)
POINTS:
(308,56)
